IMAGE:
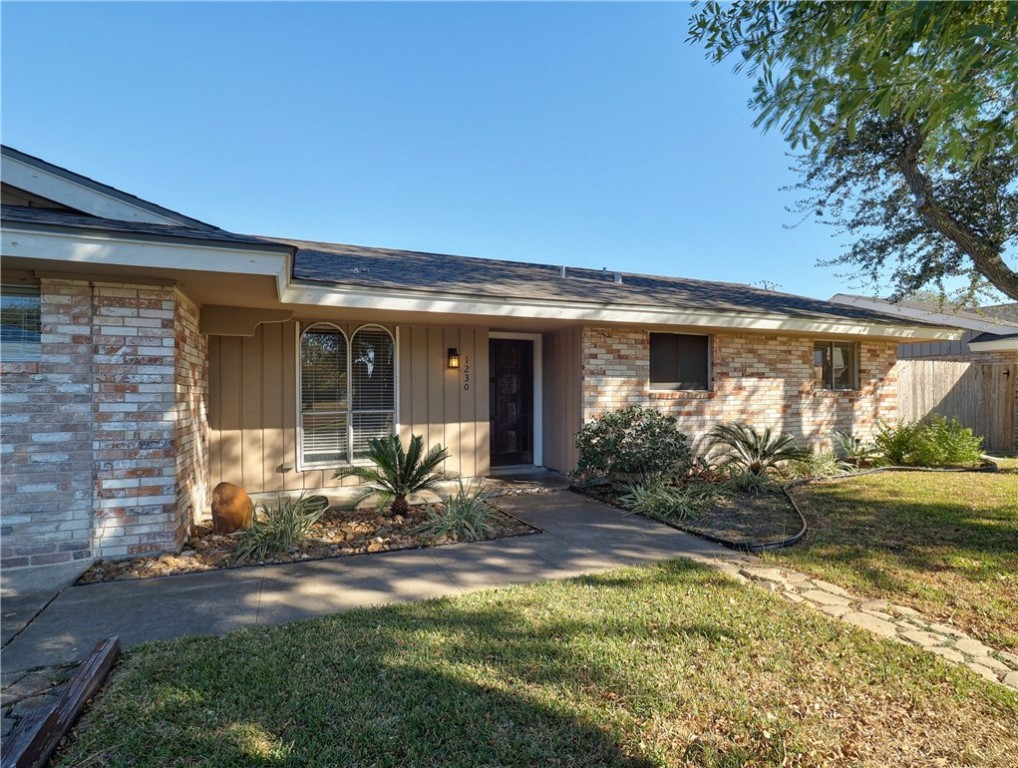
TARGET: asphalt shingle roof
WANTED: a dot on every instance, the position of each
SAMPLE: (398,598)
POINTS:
(63,219)
(382,268)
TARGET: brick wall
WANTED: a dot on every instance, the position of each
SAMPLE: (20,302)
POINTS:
(46,415)
(91,465)
(761,380)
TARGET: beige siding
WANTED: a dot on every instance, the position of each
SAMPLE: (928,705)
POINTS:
(253,409)
(563,393)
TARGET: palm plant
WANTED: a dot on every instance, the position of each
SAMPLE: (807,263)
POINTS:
(396,473)
(742,447)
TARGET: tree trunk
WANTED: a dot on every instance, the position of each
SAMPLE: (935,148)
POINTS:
(399,506)
(986,257)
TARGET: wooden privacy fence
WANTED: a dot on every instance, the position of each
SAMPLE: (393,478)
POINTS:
(980,395)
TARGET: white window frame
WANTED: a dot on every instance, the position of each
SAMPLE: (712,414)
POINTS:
(7,354)
(301,329)
(673,386)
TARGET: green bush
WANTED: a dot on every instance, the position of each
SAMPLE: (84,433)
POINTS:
(280,529)
(634,440)
(822,464)
(464,515)
(657,499)
(940,442)
(744,449)
(396,473)
(854,451)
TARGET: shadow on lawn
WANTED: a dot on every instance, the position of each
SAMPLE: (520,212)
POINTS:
(440,683)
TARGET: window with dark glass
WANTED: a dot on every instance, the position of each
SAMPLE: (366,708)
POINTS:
(679,361)
(835,365)
(347,392)
(20,339)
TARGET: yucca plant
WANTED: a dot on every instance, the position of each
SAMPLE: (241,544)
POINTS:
(657,499)
(742,447)
(854,450)
(280,528)
(465,515)
(397,473)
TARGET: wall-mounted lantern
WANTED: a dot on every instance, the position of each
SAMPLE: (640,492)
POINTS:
(454,358)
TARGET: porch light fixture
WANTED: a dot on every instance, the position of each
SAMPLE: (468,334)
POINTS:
(454,358)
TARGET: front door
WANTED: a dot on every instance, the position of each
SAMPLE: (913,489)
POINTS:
(511,401)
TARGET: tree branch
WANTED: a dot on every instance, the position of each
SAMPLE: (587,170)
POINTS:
(985,256)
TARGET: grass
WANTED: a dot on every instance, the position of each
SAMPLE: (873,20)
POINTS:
(670,665)
(943,544)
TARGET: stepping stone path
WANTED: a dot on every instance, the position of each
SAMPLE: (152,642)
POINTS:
(882,618)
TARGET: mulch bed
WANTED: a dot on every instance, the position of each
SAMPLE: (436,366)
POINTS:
(742,520)
(338,533)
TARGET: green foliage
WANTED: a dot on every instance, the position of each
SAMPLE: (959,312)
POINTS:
(396,473)
(279,529)
(937,443)
(908,116)
(464,515)
(742,480)
(672,503)
(822,464)
(741,447)
(632,440)
(855,451)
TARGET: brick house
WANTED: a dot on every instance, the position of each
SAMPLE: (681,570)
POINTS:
(148,356)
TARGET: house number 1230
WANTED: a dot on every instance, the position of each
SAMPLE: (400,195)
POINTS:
(466,372)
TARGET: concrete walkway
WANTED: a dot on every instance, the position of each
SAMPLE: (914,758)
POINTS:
(580,536)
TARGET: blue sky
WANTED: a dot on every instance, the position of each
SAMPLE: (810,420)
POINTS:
(587,134)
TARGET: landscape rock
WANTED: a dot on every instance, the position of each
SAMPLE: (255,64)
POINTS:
(232,508)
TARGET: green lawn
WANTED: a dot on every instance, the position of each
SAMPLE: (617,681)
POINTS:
(669,665)
(943,544)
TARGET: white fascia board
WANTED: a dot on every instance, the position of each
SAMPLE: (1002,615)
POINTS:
(997,345)
(590,312)
(914,313)
(80,197)
(101,248)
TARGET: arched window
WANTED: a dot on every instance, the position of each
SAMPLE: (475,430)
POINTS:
(347,393)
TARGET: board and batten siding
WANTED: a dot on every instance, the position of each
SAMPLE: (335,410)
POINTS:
(563,397)
(253,404)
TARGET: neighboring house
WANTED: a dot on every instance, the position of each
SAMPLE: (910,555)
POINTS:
(973,379)
(174,355)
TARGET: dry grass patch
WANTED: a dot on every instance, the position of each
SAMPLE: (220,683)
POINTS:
(945,544)
(673,665)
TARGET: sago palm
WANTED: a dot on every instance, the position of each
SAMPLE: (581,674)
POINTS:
(743,447)
(396,473)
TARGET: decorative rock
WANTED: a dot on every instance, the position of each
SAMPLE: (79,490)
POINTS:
(985,672)
(834,589)
(924,639)
(948,653)
(972,647)
(232,508)
(994,664)
(826,598)
(871,623)
(872,606)
(1011,678)
(837,611)
(945,629)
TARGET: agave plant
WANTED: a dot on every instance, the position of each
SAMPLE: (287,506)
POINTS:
(396,473)
(742,447)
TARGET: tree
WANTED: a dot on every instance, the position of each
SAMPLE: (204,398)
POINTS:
(906,115)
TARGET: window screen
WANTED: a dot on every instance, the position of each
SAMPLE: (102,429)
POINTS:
(679,361)
(835,365)
(347,392)
(20,324)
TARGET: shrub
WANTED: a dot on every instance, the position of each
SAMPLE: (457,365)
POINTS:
(854,451)
(940,442)
(397,473)
(464,515)
(279,529)
(632,440)
(823,464)
(743,448)
(741,480)
(657,499)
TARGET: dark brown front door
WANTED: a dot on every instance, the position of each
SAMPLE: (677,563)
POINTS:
(511,402)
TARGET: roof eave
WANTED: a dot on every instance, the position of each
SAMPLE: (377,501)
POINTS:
(359,297)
